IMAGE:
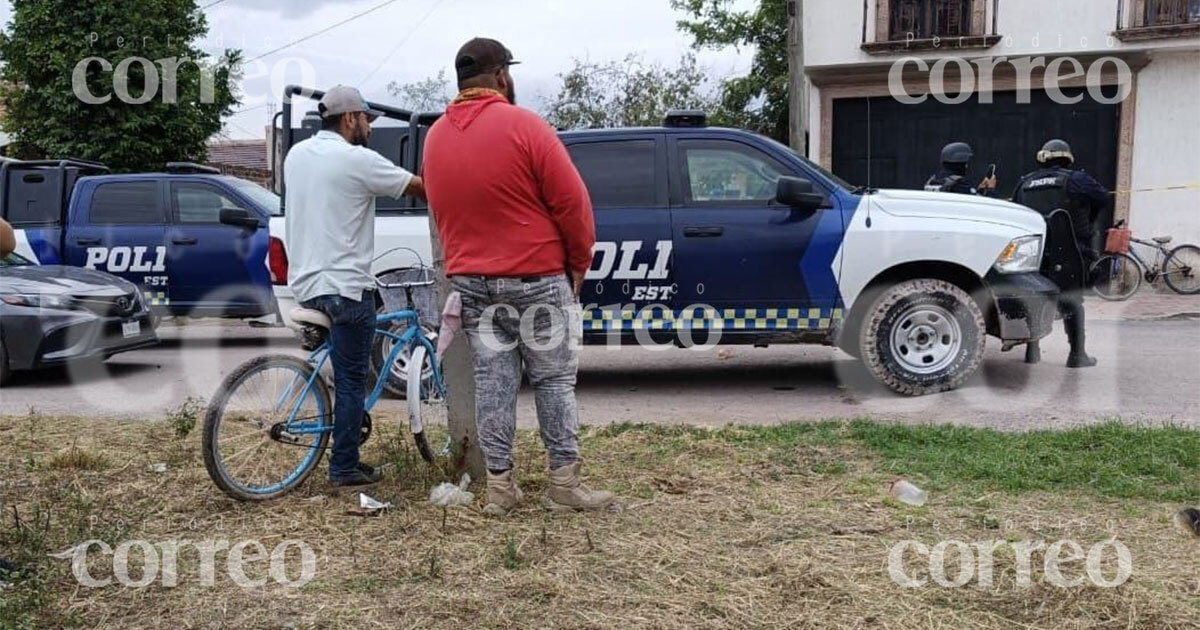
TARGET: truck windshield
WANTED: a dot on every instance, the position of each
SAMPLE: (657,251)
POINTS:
(814,166)
(264,198)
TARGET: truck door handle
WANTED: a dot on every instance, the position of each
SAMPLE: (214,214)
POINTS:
(180,240)
(703,232)
(87,241)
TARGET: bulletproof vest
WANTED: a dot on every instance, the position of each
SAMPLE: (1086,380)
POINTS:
(953,183)
(1046,191)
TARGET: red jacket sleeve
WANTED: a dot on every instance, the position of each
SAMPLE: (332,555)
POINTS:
(565,195)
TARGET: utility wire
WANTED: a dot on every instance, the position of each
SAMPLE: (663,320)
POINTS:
(402,41)
(322,31)
(250,109)
(211,4)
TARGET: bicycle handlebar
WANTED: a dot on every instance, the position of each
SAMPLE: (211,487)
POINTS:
(404,285)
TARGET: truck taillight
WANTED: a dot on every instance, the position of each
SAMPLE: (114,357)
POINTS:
(277,262)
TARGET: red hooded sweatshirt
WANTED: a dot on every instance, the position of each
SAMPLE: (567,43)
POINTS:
(506,197)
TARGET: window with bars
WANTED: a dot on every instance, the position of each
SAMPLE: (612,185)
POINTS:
(925,19)
(1171,12)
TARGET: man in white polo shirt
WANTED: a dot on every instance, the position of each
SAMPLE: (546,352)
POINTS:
(332,181)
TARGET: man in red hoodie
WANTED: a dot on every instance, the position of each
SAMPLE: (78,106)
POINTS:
(516,224)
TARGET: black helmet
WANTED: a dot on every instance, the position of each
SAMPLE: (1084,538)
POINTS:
(957,153)
(1055,150)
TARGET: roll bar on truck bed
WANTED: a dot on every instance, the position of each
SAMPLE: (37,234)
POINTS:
(407,155)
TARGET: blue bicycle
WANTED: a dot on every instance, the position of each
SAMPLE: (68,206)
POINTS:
(270,421)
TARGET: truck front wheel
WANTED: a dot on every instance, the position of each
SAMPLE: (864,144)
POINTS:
(922,337)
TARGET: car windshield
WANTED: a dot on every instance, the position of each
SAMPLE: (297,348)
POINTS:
(814,166)
(262,197)
(13,260)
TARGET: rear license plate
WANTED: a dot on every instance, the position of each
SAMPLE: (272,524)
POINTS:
(131,329)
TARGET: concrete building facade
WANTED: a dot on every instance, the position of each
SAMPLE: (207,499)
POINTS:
(1119,79)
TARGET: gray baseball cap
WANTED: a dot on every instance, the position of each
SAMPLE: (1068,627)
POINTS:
(343,99)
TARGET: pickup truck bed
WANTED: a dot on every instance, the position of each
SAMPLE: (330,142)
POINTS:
(161,231)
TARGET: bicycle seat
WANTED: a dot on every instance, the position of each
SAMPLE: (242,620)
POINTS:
(1162,240)
(311,317)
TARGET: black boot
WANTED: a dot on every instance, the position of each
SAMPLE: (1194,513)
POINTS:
(1081,360)
(1033,352)
(1073,322)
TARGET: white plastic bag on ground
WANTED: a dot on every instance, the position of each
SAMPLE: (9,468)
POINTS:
(446,494)
(905,492)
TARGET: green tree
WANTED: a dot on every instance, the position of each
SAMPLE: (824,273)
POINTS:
(626,93)
(759,100)
(430,94)
(40,89)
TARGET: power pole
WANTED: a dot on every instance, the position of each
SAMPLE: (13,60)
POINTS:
(797,82)
(459,372)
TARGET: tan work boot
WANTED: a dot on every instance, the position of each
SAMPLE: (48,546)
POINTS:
(567,492)
(503,493)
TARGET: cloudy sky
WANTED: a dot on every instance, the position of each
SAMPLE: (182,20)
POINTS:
(408,40)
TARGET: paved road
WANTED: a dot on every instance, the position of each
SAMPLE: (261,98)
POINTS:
(1149,370)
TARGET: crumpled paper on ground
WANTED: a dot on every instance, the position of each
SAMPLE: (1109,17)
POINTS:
(368,506)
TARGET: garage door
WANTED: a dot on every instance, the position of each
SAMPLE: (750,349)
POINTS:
(905,141)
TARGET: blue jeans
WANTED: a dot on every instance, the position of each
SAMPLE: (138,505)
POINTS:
(350,350)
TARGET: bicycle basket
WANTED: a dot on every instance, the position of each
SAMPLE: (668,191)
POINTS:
(1117,241)
(425,297)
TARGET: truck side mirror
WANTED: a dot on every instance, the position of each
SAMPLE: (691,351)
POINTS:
(239,217)
(797,192)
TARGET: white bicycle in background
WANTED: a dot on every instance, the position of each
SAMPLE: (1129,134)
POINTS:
(1117,276)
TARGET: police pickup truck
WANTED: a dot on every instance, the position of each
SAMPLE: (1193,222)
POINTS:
(194,242)
(720,236)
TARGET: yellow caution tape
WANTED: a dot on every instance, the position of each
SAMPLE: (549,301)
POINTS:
(1193,186)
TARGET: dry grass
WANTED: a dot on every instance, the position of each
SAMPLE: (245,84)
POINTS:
(75,458)
(717,530)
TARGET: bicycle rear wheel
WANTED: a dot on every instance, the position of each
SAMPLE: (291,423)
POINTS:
(428,413)
(1182,270)
(1116,277)
(266,429)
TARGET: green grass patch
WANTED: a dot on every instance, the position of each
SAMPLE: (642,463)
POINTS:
(1111,459)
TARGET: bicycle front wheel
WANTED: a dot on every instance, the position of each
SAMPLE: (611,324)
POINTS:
(428,412)
(1182,270)
(1116,277)
(267,428)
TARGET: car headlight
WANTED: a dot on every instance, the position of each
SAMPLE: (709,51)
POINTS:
(1020,255)
(39,301)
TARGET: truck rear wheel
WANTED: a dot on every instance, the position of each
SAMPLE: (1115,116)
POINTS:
(922,337)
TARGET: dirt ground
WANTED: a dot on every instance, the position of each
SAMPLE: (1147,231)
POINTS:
(717,528)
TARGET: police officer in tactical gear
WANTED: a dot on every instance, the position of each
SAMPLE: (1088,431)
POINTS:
(1053,187)
(951,177)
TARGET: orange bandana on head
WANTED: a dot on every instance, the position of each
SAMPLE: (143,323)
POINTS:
(474,93)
